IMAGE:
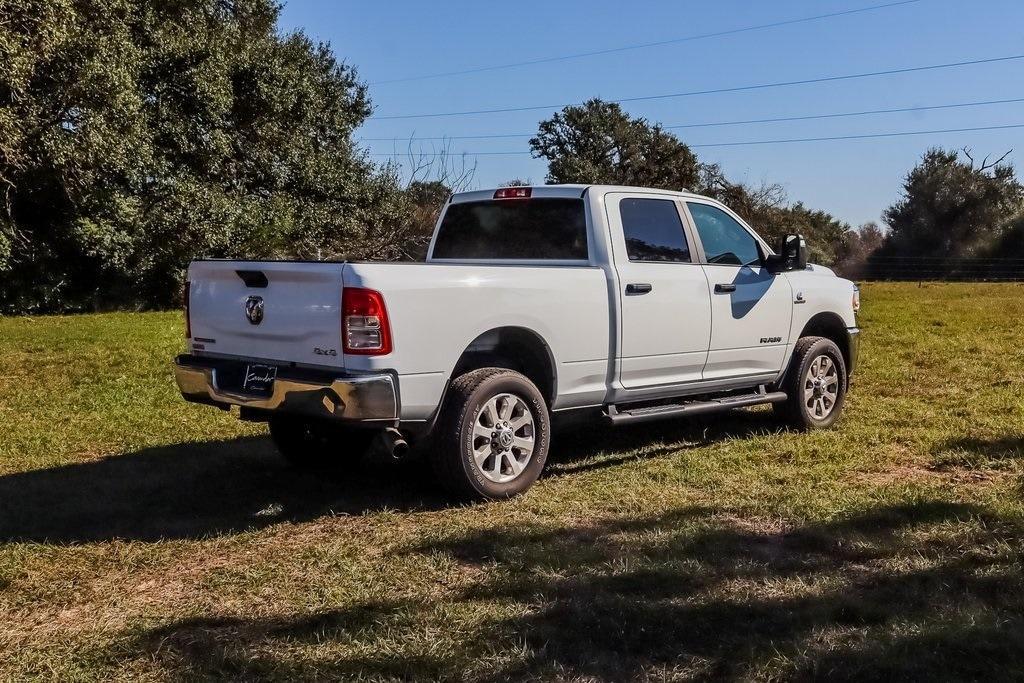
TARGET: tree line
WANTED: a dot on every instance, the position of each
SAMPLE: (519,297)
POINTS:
(136,135)
(951,204)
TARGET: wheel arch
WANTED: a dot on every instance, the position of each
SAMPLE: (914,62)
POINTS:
(831,326)
(515,348)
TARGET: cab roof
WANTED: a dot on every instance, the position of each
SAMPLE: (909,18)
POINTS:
(567,190)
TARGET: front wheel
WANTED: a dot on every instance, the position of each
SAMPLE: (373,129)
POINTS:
(493,436)
(815,384)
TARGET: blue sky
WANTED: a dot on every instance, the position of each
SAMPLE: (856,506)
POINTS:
(853,179)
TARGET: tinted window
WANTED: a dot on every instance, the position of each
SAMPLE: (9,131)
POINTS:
(725,241)
(550,229)
(653,230)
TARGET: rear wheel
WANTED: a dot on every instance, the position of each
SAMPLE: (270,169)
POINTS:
(317,444)
(493,438)
(815,384)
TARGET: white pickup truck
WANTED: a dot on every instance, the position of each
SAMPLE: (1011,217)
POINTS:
(533,302)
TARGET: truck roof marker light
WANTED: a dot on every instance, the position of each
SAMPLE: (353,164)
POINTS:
(513,192)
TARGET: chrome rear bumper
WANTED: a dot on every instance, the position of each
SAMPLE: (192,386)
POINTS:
(316,393)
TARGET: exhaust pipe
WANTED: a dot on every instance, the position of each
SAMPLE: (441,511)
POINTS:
(393,444)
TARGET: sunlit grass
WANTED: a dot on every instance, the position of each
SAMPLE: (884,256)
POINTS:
(144,538)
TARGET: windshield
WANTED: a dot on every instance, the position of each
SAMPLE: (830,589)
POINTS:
(547,229)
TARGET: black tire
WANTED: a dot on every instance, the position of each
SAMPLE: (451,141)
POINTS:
(454,439)
(316,444)
(795,409)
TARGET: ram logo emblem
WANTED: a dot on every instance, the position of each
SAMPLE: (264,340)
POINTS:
(254,309)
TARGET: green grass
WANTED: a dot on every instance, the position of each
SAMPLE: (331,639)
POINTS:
(143,538)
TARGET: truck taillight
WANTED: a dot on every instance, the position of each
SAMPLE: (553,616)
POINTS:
(364,328)
(185,292)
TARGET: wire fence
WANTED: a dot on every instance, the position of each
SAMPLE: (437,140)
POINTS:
(939,268)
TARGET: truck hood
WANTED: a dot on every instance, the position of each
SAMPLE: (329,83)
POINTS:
(820,270)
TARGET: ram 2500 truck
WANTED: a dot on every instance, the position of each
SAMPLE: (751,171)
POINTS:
(533,302)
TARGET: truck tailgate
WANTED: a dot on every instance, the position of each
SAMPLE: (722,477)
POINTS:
(301,310)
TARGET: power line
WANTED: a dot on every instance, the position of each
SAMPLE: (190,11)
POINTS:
(640,46)
(861,137)
(750,142)
(739,88)
(809,117)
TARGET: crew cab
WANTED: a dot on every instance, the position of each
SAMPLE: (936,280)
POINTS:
(534,303)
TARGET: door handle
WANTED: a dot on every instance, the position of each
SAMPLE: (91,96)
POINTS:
(724,289)
(638,288)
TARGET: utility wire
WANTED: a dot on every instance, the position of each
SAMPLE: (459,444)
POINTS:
(862,137)
(641,46)
(739,88)
(809,117)
(749,142)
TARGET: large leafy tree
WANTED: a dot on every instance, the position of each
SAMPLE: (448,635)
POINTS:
(953,206)
(138,134)
(598,142)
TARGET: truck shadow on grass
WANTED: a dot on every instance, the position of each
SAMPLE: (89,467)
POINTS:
(190,490)
(923,591)
(589,447)
(195,490)
(979,453)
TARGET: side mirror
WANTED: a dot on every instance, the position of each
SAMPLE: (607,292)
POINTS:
(792,255)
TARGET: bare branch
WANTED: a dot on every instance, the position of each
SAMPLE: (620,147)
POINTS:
(440,164)
(985,165)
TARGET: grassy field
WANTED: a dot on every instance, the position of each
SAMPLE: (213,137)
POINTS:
(143,538)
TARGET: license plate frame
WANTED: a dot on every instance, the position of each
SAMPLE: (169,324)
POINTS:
(259,379)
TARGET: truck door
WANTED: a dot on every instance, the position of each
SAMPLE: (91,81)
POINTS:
(664,300)
(751,309)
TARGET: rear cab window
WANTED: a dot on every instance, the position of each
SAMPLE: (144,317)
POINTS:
(653,230)
(536,229)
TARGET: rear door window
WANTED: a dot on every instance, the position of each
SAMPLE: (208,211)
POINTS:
(553,229)
(653,230)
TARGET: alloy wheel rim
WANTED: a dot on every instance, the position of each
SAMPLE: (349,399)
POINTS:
(504,433)
(821,387)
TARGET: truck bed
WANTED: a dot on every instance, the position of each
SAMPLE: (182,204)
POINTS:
(436,310)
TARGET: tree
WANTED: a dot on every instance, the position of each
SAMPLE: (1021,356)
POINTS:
(1012,243)
(953,207)
(856,247)
(136,135)
(434,175)
(426,199)
(599,143)
(766,209)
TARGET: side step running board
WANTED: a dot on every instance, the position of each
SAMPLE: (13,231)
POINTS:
(714,405)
